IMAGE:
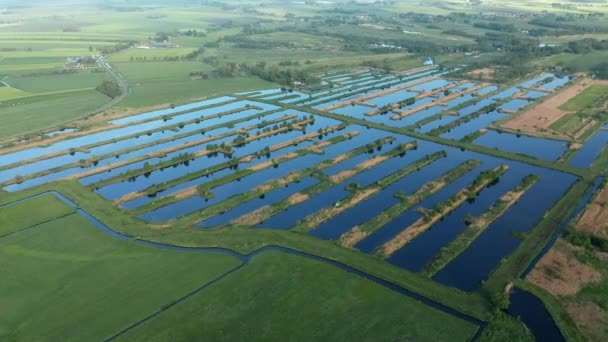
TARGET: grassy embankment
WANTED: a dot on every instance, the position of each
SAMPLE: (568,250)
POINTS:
(238,199)
(588,113)
(535,240)
(358,194)
(324,184)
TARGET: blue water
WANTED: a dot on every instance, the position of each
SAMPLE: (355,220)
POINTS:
(359,140)
(416,254)
(224,191)
(268,199)
(544,149)
(472,266)
(166,111)
(534,315)
(585,157)
(109,135)
(472,126)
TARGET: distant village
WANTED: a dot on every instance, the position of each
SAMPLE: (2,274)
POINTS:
(80,63)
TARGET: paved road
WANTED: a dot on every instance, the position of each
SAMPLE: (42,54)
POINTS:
(120,80)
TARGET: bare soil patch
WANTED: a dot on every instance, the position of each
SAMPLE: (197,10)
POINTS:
(590,318)
(540,117)
(128,197)
(296,198)
(341,176)
(560,273)
(486,74)
(186,193)
(595,218)
(253,217)
(352,237)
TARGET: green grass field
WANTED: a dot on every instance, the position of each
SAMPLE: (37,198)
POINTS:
(586,98)
(579,63)
(149,54)
(68,280)
(266,301)
(37,112)
(15,217)
(56,82)
(154,83)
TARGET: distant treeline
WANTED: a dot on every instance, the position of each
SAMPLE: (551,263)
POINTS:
(271,73)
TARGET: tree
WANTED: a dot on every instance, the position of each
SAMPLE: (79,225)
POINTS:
(601,70)
(109,88)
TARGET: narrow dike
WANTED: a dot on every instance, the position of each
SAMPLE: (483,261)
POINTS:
(210,148)
(95,159)
(269,186)
(358,233)
(253,217)
(205,190)
(325,182)
(431,216)
(360,194)
(86,148)
(477,225)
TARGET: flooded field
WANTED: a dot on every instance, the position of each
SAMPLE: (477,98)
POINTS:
(246,160)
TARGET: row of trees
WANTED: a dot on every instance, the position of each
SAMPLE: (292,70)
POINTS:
(271,73)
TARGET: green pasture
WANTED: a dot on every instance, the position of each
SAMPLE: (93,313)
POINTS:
(56,82)
(38,112)
(9,93)
(310,300)
(153,92)
(154,83)
(579,63)
(19,216)
(586,98)
(149,54)
(67,280)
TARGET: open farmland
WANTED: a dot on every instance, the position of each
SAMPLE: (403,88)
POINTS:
(297,170)
(554,116)
(305,164)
